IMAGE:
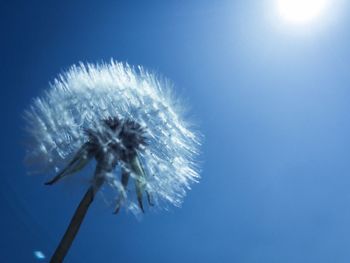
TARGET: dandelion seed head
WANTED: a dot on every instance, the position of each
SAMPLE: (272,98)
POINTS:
(134,104)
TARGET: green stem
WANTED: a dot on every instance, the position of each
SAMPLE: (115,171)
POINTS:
(73,227)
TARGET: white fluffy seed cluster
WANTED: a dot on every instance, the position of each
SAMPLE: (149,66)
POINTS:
(86,94)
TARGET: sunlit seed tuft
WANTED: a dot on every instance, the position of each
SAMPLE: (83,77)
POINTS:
(81,98)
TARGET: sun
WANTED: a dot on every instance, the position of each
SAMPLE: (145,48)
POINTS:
(301,11)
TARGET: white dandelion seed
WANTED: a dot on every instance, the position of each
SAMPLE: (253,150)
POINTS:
(122,117)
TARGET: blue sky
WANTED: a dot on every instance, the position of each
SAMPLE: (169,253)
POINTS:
(271,99)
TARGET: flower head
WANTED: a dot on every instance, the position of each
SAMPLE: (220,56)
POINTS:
(121,117)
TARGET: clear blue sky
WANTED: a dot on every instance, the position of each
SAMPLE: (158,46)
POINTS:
(271,100)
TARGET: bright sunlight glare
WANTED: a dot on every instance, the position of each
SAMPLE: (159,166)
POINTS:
(301,11)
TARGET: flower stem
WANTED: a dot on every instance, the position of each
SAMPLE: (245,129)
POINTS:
(73,227)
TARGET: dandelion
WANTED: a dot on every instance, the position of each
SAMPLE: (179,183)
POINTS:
(127,122)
